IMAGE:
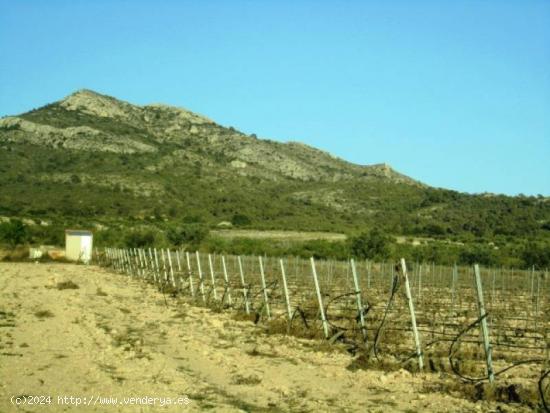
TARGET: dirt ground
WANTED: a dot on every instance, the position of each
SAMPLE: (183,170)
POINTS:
(115,337)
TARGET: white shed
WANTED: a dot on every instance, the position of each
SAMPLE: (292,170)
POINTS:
(78,245)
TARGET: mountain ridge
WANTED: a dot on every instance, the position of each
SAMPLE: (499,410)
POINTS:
(93,158)
(178,123)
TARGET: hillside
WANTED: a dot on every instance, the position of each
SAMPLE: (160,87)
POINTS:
(91,159)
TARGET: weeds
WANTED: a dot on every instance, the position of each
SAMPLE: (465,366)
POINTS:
(44,314)
(246,380)
(67,285)
(508,393)
(100,292)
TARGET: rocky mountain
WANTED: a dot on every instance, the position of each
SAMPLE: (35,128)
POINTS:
(91,122)
(93,158)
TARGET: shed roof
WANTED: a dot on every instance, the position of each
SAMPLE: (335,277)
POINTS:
(77,232)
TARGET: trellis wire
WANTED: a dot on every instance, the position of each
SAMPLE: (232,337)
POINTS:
(332,293)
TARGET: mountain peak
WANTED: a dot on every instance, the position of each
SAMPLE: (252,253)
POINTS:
(94,103)
(86,94)
(85,91)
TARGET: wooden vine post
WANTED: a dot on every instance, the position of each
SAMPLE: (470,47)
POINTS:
(453,288)
(164,266)
(129,262)
(243,285)
(484,328)
(264,288)
(285,288)
(413,316)
(151,264)
(178,262)
(358,297)
(115,259)
(157,271)
(189,273)
(141,262)
(319,298)
(173,279)
(212,276)
(122,260)
(146,264)
(226,279)
(201,281)
(125,266)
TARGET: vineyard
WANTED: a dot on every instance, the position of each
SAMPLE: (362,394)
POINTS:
(477,324)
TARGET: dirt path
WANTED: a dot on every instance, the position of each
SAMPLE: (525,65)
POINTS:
(115,337)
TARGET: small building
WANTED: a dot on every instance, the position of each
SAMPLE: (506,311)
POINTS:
(78,245)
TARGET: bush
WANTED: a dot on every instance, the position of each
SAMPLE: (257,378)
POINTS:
(537,254)
(140,239)
(189,234)
(111,237)
(320,249)
(240,220)
(14,232)
(373,245)
(47,235)
(434,229)
(478,254)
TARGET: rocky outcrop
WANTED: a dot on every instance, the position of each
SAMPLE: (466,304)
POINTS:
(94,103)
(16,130)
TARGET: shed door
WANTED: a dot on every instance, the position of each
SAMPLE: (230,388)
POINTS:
(86,248)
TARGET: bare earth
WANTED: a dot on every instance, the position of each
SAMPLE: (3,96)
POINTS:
(116,337)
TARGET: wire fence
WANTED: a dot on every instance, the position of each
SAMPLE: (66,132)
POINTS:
(474,322)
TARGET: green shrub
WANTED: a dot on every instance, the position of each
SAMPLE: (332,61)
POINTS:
(47,235)
(537,254)
(478,254)
(240,220)
(111,237)
(14,232)
(140,239)
(187,234)
(374,245)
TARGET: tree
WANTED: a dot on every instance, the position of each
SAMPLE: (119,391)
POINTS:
(478,254)
(372,245)
(191,234)
(537,254)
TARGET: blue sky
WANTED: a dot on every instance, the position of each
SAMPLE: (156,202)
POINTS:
(453,93)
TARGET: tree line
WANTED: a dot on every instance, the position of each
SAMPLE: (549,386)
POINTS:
(374,244)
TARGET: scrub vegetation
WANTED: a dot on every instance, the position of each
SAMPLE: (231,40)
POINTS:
(144,175)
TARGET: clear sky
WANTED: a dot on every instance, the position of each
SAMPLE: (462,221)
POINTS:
(453,93)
